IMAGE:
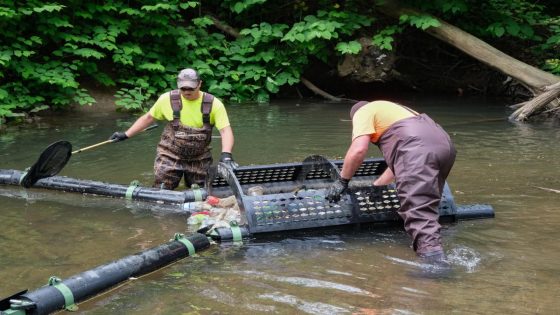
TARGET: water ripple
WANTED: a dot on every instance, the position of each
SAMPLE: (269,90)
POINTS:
(465,257)
(305,306)
(314,283)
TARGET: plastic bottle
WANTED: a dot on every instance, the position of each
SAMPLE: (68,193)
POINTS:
(196,206)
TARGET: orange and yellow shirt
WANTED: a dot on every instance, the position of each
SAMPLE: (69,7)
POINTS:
(376,117)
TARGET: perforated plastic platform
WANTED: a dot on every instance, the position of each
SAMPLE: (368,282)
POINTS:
(282,207)
(291,172)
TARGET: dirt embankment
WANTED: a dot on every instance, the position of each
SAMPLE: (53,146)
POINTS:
(104,97)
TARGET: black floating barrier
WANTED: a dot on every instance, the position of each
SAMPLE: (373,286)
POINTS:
(306,207)
(293,194)
(132,191)
(474,211)
(64,294)
(274,178)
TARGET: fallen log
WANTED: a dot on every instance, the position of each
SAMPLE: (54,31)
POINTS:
(541,84)
(546,100)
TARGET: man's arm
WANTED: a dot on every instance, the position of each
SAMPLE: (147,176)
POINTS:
(227,139)
(384,179)
(140,124)
(355,156)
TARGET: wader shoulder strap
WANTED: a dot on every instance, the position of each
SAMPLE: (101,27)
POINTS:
(410,110)
(176,105)
(206,108)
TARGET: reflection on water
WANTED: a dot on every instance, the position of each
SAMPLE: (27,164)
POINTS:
(504,265)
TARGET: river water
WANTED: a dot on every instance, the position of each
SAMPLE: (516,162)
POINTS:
(508,264)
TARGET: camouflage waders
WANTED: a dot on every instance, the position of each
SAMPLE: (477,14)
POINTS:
(184,151)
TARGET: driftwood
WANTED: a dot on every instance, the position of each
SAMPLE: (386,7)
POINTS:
(234,33)
(548,97)
(535,80)
(322,93)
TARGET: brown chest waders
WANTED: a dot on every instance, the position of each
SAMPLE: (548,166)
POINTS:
(184,151)
(421,154)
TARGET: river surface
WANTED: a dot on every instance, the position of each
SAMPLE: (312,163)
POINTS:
(505,265)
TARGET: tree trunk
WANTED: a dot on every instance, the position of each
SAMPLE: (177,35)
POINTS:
(534,79)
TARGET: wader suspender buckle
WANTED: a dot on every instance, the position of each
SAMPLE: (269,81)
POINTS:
(177,105)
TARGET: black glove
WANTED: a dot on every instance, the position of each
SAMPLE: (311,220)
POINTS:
(227,159)
(118,136)
(336,189)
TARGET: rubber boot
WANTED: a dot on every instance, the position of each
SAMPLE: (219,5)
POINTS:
(434,265)
(434,258)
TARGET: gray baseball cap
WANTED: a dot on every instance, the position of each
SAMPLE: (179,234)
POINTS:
(188,78)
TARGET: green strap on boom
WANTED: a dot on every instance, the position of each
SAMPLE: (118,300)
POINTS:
(236,232)
(130,189)
(14,312)
(23,176)
(197,192)
(181,238)
(69,304)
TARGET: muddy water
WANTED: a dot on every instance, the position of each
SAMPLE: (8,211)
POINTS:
(504,265)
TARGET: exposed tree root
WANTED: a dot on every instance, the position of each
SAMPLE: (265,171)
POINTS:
(546,100)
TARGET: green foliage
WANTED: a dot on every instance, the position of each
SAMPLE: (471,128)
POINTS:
(525,25)
(516,18)
(241,6)
(352,47)
(422,22)
(49,50)
(131,99)
(552,65)
(384,38)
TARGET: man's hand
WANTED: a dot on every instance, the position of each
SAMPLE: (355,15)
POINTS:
(118,136)
(227,159)
(336,189)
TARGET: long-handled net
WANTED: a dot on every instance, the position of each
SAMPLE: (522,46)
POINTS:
(50,163)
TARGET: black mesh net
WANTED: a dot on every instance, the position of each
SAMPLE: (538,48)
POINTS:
(50,163)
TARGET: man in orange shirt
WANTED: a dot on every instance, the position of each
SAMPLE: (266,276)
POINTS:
(419,156)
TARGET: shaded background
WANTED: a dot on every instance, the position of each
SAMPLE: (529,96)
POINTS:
(502,265)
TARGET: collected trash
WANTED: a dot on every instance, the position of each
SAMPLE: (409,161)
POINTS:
(214,213)
(197,217)
(196,206)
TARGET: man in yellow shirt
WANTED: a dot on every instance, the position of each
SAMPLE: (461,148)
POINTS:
(419,156)
(184,148)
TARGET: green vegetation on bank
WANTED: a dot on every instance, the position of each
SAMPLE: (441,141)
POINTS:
(246,50)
